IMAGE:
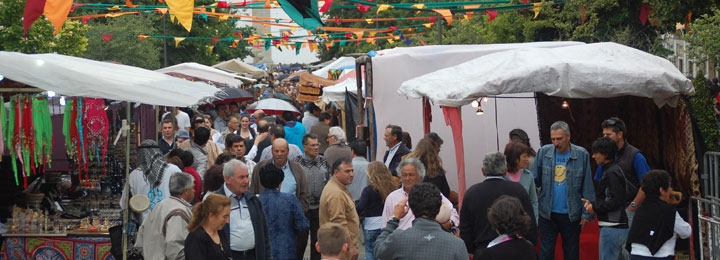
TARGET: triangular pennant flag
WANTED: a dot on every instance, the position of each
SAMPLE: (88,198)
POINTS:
(267,44)
(446,14)
(372,33)
(57,11)
(428,25)
(178,40)
(408,41)
(298,47)
(418,6)
(72,9)
(215,40)
(492,14)
(329,44)
(524,1)
(536,9)
(383,8)
(222,4)
(342,43)
(211,48)
(84,20)
(326,6)
(128,3)
(203,16)
(432,19)
(391,40)
(114,8)
(267,4)
(107,37)
(359,34)
(469,14)
(143,37)
(162,10)
(363,8)
(582,14)
(644,11)
(33,10)
(223,18)
(369,21)
(312,47)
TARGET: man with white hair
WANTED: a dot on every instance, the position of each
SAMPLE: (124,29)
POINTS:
(247,230)
(412,172)
(337,147)
(475,227)
(162,234)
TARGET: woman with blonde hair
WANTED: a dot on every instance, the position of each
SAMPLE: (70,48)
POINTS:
(371,203)
(426,151)
(204,240)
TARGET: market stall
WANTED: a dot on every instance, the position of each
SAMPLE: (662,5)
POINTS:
(91,127)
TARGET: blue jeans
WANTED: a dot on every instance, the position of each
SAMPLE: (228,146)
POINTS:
(370,237)
(569,231)
(612,241)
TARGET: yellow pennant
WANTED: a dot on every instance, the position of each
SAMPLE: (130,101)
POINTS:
(418,6)
(211,48)
(293,28)
(114,8)
(223,18)
(312,47)
(369,21)
(536,9)
(183,11)
(428,25)
(383,8)
(178,40)
(391,41)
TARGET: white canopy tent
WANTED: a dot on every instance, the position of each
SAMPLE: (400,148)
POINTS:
(336,93)
(392,67)
(205,73)
(238,66)
(337,64)
(73,76)
(581,71)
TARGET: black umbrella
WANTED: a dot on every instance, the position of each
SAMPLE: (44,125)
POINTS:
(282,76)
(228,95)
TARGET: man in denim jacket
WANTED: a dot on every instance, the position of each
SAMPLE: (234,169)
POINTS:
(562,171)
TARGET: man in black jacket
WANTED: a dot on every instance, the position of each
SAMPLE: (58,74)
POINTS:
(247,230)
(396,149)
(475,228)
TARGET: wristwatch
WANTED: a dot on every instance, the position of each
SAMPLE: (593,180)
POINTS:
(632,204)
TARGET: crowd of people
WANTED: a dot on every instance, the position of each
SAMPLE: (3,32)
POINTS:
(234,185)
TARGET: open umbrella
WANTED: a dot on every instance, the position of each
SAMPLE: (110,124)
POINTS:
(278,96)
(227,95)
(272,106)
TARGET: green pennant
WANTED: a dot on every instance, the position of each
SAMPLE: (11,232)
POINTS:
(307,16)
(267,44)
(298,46)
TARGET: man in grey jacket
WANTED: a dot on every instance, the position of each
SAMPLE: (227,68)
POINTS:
(425,239)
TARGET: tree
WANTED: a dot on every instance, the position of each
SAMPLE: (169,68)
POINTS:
(704,38)
(70,40)
(145,53)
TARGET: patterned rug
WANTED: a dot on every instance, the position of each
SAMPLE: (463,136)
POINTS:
(22,248)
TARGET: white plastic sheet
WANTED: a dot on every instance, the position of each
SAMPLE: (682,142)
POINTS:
(582,71)
(204,72)
(336,93)
(73,76)
(238,66)
(339,63)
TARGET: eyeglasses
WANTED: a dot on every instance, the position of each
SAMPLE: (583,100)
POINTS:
(611,122)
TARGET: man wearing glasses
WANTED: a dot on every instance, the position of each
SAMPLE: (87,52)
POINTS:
(629,158)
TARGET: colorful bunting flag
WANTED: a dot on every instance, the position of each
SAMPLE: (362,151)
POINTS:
(492,14)
(536,9)
(178,40)
(383,8)
(107,37)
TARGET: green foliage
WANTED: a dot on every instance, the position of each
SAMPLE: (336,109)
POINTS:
(704,38)
(704,114)
(40,38)
(132,51)
(126,48)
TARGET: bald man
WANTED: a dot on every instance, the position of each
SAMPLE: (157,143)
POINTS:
(294,182)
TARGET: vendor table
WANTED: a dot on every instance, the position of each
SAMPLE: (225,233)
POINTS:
(94,246)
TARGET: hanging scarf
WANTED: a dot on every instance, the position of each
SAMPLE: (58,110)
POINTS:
(74,136)
(151,162)
(28,136)
(43,131)
(3,126)
(96,126)
(67,121)
(81,136)
(13,133)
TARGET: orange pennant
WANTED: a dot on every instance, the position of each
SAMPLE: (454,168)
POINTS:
(446,14)
(469,14)
(57,11)
(359,34)
(143,37)
(162,10)
(128,3)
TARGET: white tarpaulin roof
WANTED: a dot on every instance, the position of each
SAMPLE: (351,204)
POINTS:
(582,71)
(73,76)
(203,72)
(238,66)
(336,93)
(339,63)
